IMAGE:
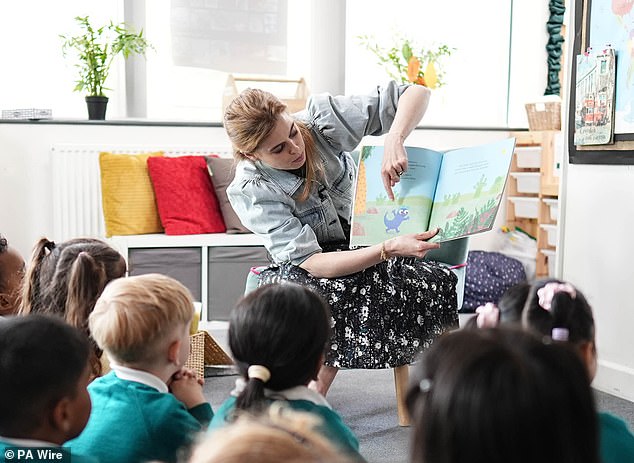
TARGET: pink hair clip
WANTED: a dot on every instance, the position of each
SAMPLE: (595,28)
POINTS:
(560,334)
(488,316)
(546,293)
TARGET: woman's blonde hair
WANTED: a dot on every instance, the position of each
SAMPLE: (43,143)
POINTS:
(134,316)
(251,117)
(281,435)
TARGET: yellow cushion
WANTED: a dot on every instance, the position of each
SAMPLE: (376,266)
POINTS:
(129,205)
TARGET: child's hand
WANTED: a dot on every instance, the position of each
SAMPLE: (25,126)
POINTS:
(187,388)
(185,372)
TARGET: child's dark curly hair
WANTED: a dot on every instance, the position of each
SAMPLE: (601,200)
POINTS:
(4,244)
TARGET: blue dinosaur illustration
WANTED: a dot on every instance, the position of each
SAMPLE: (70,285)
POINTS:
(398,217)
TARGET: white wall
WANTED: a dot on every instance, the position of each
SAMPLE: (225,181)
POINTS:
(597,255)
(595,250)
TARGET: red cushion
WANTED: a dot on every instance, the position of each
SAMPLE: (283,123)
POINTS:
(185,196)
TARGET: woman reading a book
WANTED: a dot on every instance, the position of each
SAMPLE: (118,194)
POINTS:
(294,187)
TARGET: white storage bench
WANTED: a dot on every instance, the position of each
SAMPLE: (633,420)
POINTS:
(214,266)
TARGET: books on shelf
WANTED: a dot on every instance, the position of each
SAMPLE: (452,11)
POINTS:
(594,98)
(458,191)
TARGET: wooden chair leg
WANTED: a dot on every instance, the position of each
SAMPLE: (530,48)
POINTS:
(401,380)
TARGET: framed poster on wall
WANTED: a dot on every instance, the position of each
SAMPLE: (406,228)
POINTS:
(598,24)
(594,94)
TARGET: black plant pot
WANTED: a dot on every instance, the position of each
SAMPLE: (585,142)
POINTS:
(97,107)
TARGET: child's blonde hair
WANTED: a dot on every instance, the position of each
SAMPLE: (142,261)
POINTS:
(282,434)
(135,315)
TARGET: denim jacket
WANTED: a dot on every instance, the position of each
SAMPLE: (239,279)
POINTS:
(266,199)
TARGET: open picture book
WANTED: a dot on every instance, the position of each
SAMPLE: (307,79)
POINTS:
(458,191)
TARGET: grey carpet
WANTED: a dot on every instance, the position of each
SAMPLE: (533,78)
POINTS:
(366,401)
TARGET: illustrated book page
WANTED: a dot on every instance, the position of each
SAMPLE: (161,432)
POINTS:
(458,191)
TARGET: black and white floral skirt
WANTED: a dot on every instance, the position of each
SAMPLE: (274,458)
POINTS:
(383,316)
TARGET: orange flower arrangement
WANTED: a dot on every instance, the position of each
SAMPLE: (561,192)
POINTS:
(413,71)
(406,66)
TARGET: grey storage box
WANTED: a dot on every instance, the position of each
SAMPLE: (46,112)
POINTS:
(228,270)
(183,264)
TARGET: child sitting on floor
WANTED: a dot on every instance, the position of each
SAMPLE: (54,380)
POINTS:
(11,273)
(501,395)
(507,311)
(44,372)
(66,279)
(559,311)
(277,335)
(142,323)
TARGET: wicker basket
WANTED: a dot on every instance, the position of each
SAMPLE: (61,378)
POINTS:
(544,116)
(196,359)
(204,350)
(214,354)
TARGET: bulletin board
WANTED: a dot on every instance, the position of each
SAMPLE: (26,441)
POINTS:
(596,24)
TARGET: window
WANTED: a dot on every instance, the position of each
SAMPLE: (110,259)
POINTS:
(499,63)
(498,66)
(34,71)
(198,43)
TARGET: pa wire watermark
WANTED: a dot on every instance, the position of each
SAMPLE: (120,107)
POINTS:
(36,455)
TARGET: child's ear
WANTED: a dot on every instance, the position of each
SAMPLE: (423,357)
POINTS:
(173,352)
(320,362)
(7,306)
(589,357)
(5,301)
(61,416)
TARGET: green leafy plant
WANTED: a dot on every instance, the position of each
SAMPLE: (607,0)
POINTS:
(404,62)
(96,48)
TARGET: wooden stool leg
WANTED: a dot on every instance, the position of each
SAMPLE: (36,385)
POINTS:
(401,380)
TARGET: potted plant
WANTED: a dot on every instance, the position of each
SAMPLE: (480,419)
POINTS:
(95,49)
(404,63)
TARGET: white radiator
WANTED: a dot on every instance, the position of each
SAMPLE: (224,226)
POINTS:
(77,209)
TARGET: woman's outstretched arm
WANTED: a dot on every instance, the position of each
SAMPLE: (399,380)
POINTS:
(410,110)
(337,264)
